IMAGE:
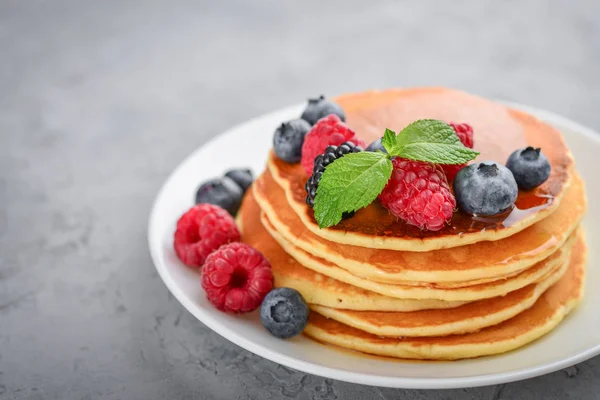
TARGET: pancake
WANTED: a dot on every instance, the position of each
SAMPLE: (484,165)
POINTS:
(465,265)
(468,293)
(498,132)
(538,320)
(470,317)
(316,288)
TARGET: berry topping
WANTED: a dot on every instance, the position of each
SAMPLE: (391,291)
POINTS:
(376,146)
(243,177)
(320,107)
(236,278)
(284,313)
(418,193)
(529,166)
(222,192)
(465,134)
(200,231)
(288,140)
(485,188)
(331,154)
(329,131)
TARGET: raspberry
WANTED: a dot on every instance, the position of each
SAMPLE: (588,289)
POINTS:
(465,134)
(328,131)
(202,230)
(418,193)
(452,170)
(236,278)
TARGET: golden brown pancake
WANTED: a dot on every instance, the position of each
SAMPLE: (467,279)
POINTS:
(461,266)
(317,288)
(467,293)
(524,328)
(467,318)
(498,131)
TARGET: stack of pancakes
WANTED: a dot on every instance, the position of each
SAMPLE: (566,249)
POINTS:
(479,286)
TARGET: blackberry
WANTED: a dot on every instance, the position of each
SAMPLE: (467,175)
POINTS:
(331,154)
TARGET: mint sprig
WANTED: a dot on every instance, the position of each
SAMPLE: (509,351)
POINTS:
(355,180)
(350,185)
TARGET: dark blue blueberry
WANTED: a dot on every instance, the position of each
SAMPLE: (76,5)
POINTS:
(320,107)
(485,188)
(284,313)
(289,138)
(376,145)
(223,192)
(529,166)
(243,177)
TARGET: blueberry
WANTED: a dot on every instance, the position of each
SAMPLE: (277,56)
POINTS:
(320,107)
(485,188)
(223,192)
(530,167)
(284,313)
(376,145)
(289,138)
(243,177)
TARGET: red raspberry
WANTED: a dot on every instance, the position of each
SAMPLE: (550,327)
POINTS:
(236,278)
(465,134)
(418,193)
(328,131)
(202,230)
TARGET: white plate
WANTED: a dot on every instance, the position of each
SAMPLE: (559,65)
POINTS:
(575,340)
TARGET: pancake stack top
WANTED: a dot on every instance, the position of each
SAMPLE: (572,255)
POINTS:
(478,286)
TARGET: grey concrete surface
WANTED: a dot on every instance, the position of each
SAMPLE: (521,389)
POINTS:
(100,100)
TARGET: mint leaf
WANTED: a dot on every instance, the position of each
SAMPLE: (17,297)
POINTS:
(350,183)
(433,141)
(389,141)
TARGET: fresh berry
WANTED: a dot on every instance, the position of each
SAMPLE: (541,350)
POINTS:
(320,107)
(331,154)
(284,313)
(223,192)
(288,140)
(451,170)
(419,194)
(465,134)
(243,177)
(485,188)
(201,230)
(376,146)
(529,166)
(236,278)
(329,131)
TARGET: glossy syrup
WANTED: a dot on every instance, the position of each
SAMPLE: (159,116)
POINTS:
(377,221)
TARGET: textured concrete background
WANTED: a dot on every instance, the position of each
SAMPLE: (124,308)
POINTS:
(100,100)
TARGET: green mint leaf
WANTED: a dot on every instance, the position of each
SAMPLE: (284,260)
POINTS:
(433,141)
(389,141)
(350,183)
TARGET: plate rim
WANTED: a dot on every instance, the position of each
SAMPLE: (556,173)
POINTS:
(339,374)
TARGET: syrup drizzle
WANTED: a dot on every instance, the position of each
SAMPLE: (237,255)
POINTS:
(376,220)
